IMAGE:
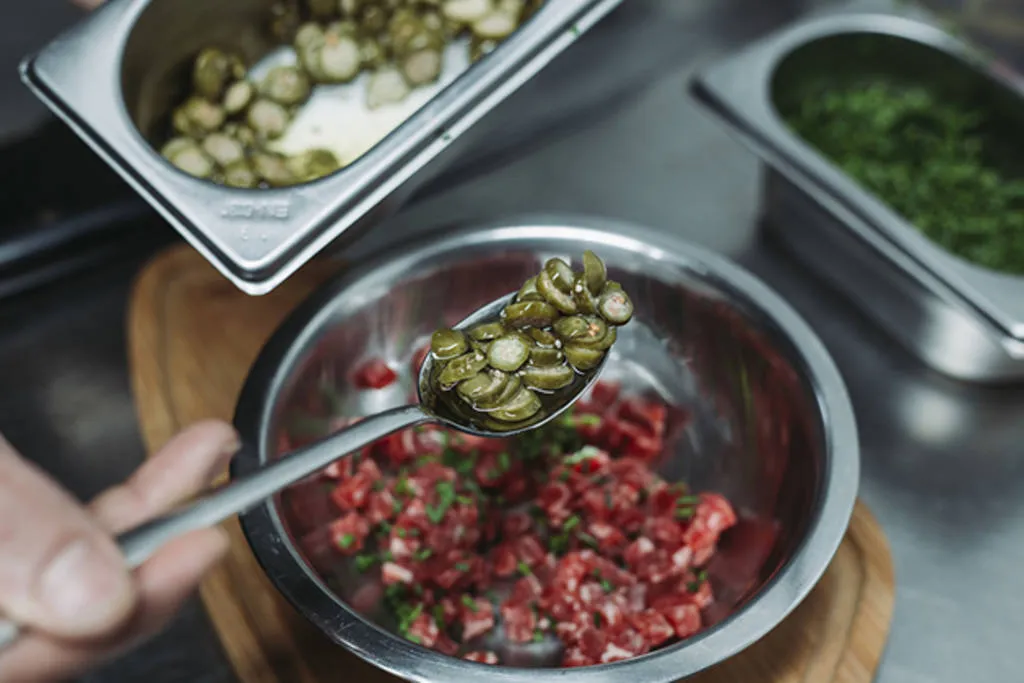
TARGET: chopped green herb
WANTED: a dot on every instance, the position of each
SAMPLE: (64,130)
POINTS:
(378,485)
(346,540)
(396,507)
(401,531)
(937,160)
(462,566)
(589,420)
(413,638)
(589,540)
(538,636)
(597,619)
(386,556)
(523,568)
(445,497)
(469,602)
(607,586)
(364,562)
(688,500)
(559,544)
(463,499)
(423,554)
(563,475)
(504,462)
(571,523)
(684,513)
(439,616)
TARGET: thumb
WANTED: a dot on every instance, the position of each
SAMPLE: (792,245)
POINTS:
(59,572)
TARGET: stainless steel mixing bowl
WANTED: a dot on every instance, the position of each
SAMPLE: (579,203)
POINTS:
(768,423)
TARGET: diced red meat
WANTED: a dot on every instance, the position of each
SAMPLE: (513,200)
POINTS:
(349,532)
(515,524)
(653,626)
(504,559)
(393,573)
(424,630)
(374,374)
(476,618)
(481,657)
(381,507)
(519,621)
(352,493)
(685,619)
(609,538)
(610,558)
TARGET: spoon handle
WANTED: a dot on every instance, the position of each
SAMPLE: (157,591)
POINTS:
(140,543)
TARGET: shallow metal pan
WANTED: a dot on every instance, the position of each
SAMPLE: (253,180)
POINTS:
(111,76)
(963,320)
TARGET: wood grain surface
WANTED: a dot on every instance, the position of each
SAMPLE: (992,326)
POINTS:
(191,340)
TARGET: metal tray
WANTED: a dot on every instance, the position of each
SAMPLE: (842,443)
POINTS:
(963,320)
(113,75)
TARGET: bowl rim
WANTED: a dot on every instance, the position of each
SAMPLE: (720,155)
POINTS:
(781,594)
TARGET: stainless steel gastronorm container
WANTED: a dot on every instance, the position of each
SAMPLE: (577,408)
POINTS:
(114,76)
(759,413)
(963,320)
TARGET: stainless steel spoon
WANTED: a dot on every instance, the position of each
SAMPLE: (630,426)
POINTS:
(237,497)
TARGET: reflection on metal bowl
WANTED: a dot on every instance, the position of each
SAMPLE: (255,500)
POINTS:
(770,427)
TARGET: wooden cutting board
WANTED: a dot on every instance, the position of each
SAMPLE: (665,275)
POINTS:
(191,339)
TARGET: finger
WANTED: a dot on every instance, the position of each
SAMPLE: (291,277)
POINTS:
(182,468)
(166,581)
(59,571)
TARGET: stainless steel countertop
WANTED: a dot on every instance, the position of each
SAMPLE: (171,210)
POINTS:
(943,465)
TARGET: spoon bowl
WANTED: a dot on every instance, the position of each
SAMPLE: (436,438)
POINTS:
(449,414)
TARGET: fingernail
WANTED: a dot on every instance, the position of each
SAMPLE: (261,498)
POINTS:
(86,587)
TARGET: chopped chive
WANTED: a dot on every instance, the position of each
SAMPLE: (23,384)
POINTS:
(423,554)
(589,540)
(590,420)
(439,616)
(523,568)
(571,523)
(688,500)
(346,540)
(607,586)
(413,638)
(469,602)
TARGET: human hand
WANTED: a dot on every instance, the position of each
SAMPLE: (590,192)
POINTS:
(62,576)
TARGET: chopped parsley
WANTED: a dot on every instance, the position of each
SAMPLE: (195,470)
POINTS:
(523,568)
(571,523)
(538,636)
(445,497)
(504,462)
(364,562)
(346,541)
(469,602)
(423,554)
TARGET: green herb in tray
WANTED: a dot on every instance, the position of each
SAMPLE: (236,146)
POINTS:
(929,159)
